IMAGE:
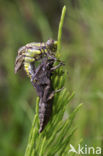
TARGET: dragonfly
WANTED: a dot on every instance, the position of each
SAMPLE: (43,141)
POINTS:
(40,75)
(32,52)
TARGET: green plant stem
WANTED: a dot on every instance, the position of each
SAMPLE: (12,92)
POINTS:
(60,29)
(55,138)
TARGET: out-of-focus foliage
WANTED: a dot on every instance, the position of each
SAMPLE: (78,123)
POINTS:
(26,21)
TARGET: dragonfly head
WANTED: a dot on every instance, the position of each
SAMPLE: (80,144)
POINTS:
(51,45)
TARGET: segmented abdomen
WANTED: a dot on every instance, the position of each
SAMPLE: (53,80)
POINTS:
(45,111)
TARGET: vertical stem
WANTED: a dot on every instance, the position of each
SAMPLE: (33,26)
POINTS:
(60,29)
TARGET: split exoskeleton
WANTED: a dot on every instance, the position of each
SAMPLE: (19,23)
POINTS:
(44,88)
(40,76)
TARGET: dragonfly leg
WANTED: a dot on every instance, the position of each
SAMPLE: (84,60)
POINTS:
(52,94)
(36,72)
(56,67)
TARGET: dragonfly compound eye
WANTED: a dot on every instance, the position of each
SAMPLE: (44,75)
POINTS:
(52,45)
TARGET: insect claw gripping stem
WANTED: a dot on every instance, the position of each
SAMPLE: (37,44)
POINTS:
(53,93)
(56,67)
(58,90)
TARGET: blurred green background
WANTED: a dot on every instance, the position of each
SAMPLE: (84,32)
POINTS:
(24,21)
